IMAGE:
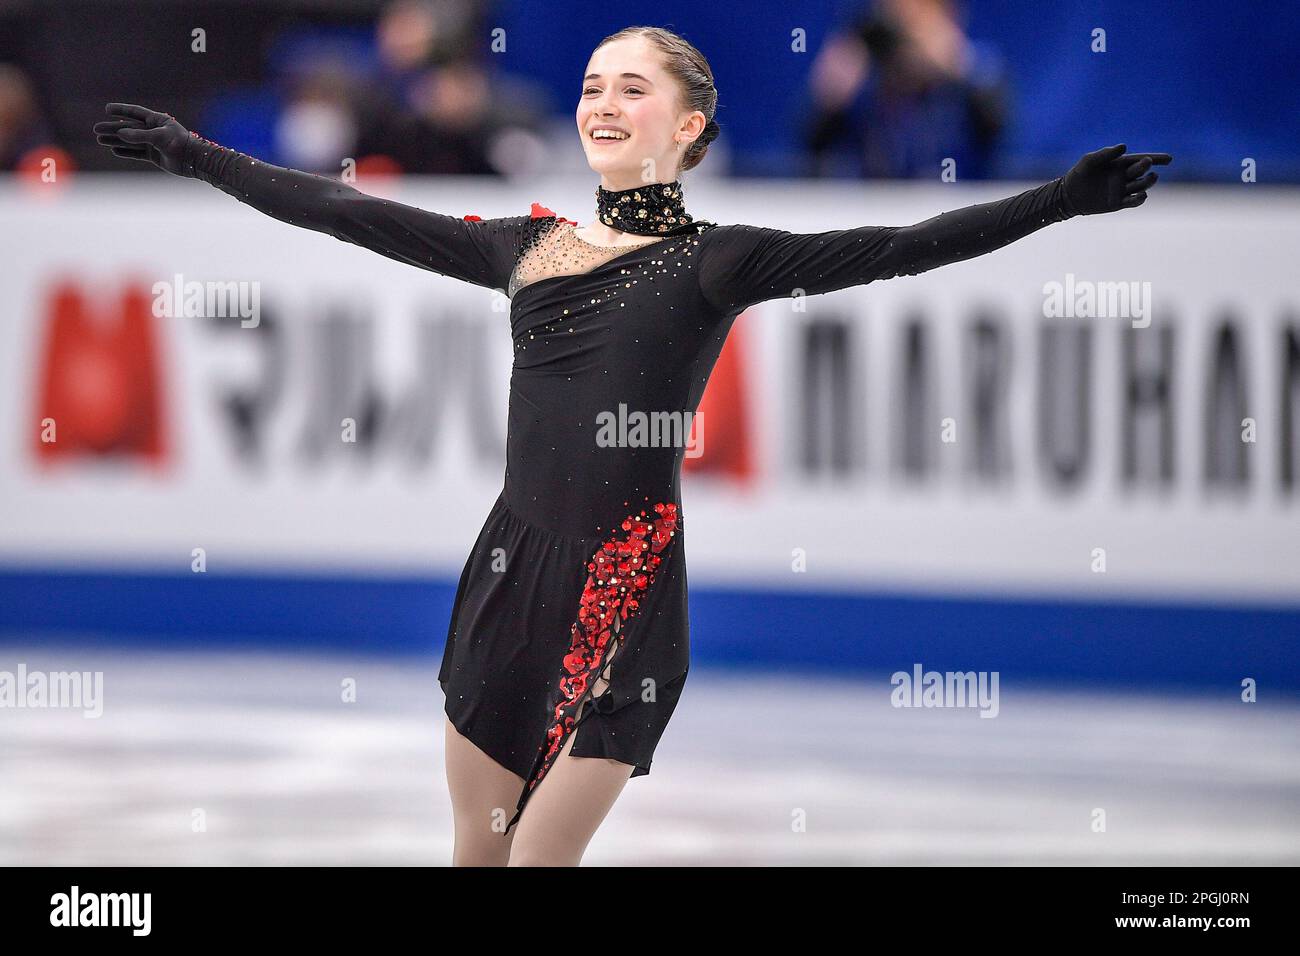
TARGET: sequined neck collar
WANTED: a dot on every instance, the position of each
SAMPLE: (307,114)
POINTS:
(656,209)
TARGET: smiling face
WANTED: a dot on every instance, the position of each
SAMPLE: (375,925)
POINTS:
(628,94)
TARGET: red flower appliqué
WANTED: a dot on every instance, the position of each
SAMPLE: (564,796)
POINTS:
(538,212)
(541,212)
(619,573)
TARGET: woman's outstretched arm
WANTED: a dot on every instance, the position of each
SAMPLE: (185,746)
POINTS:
(482,252)
(743,265)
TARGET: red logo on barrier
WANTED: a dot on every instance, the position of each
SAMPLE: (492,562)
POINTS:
(724,416)
(100,391)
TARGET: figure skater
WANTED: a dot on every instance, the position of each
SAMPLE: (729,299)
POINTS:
(567,648)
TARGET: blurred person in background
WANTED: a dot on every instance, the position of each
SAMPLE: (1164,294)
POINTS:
(412,35)
(446,113)
(420,106)
(445,127)
(24,136)
(901,91)
(437,119)
(318,126)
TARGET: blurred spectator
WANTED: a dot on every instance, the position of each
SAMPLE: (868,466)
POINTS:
(449,114)
(445,125)
(318,127)
(23,132)
(901,91)
(419,100)
(415,34)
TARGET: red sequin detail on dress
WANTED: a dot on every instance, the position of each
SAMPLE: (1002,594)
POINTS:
(620,572)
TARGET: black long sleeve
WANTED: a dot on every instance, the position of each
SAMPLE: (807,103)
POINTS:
(481,252)
(743,265)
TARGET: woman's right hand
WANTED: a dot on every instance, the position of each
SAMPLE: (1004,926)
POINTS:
(139,133)
(1110,179)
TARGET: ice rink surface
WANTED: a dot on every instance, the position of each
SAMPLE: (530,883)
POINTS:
(285,772)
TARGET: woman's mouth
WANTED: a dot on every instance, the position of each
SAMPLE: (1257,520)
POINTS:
(605,136)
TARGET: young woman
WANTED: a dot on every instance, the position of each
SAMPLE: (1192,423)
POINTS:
(567,649)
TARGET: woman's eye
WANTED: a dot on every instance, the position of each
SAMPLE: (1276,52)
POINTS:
(632,89)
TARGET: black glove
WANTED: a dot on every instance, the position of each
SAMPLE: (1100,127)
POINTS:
(140,133)
(1110,179)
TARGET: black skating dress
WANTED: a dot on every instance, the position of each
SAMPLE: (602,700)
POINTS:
(571,612)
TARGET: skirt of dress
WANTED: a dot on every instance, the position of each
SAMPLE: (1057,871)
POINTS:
(543,621)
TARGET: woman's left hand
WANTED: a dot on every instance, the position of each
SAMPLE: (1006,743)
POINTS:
(1110,179)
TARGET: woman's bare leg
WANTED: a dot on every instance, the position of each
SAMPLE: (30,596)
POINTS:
(568,806)
(570,803)
(483,799)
